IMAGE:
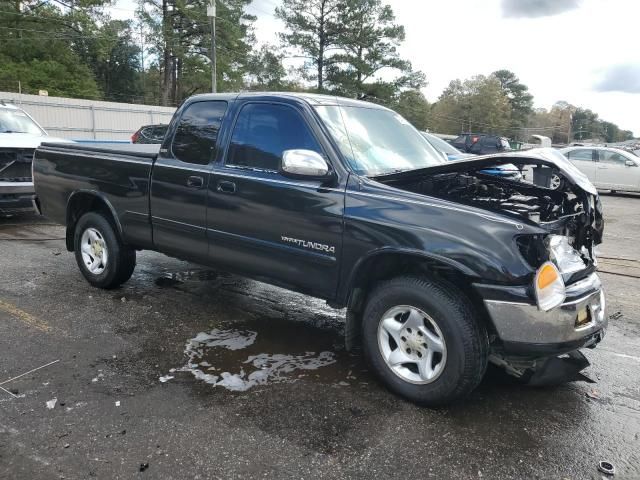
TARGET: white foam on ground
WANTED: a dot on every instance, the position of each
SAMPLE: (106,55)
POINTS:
(271,368)
(230,339)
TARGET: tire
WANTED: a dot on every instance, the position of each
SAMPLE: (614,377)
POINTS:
(114,262)
(439,309)
(556,182)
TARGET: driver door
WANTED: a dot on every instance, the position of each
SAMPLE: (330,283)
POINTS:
(265,225)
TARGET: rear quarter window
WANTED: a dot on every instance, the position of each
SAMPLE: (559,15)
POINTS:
(197,132)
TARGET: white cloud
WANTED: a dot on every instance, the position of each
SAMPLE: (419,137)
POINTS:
(537,8)
(620,78)
(556,56)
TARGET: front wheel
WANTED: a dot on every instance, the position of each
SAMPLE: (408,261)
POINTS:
(423,341)
(102,257)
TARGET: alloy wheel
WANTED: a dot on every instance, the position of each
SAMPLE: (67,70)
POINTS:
(94,251)
(411,344)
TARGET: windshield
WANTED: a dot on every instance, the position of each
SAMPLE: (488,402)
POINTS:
(376,141)
(440,145)
(16,121)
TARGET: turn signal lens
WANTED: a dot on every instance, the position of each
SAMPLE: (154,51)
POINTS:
(546,276)
(549,287)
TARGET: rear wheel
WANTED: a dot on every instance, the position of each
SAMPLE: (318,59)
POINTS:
(102,257)
(423,341)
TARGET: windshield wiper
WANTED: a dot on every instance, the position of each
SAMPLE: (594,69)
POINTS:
(11,131)
(398,170)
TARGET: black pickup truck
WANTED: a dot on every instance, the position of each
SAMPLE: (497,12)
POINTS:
(442,267)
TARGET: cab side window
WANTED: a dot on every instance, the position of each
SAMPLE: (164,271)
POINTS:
(197,132)
(263,131)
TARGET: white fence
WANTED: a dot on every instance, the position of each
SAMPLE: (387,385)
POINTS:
(88,119)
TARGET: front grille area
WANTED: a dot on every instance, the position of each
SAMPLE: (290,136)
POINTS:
(15,164)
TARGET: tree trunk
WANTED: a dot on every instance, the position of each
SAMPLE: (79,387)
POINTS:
(320,68)
(359,89)
(321,46)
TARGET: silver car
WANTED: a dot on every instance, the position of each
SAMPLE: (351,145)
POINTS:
(607,168)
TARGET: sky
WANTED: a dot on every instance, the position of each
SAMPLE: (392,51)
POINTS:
(586,52)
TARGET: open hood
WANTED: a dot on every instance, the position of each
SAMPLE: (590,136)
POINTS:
(572,209)
(540,156)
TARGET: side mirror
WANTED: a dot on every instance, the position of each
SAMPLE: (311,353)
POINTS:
(305,164)
(630,163)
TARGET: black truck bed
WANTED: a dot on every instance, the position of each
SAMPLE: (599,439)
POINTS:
(137,150)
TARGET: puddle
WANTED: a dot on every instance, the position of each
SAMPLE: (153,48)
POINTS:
(177,278)
(265,352)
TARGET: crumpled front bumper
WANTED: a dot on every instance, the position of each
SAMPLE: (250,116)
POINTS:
(525,330)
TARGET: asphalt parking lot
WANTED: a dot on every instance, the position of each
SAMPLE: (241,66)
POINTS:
(190,373)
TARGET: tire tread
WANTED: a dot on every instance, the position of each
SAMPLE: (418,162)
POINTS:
(123,257)
(472,332)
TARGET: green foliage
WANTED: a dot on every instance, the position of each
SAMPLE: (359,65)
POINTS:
(348,46)
(313,27)
(113,54)
(555,123)
(520,99)
(478,104)
(265,70)
(367,48)
(64,79)
(180,38)
(413,106)
(38,51)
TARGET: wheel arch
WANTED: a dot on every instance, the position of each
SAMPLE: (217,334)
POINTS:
(384,264)
(83,201)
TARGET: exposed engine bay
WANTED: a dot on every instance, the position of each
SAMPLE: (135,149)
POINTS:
(569,210)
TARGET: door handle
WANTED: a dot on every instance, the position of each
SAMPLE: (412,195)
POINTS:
(226,186)
(195,182)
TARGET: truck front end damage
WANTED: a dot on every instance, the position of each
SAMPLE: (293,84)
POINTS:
(539,325)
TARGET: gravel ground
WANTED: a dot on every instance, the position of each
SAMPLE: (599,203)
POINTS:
(293,404)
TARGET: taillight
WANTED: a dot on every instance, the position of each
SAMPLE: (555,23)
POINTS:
(135,136)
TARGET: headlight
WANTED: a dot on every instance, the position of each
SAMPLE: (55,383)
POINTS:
(566,258)
(549,287)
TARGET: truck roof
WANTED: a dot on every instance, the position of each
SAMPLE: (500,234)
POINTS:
(314,99)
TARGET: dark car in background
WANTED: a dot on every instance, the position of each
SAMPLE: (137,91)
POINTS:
(481,143)
(444,147)
(150,134)
(452,153)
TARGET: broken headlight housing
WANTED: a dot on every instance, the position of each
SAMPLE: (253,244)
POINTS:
(563,255)
(548,283)
(549,287)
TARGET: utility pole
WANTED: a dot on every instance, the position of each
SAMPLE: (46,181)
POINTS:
(211,13)
(142,58)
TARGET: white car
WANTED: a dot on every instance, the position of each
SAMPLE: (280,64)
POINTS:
(607,168)
(20,135)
